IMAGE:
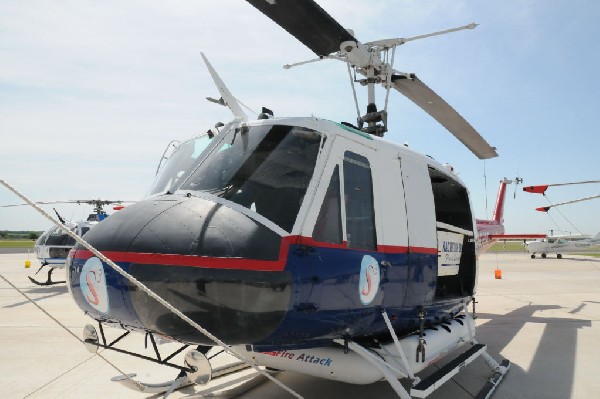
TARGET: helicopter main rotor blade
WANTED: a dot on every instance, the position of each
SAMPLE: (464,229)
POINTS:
(416,91)
(307,22)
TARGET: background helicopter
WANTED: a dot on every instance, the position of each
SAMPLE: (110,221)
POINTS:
(292,271)
(561,244)
(53,246)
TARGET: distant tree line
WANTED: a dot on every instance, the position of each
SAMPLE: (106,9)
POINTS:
(19,235)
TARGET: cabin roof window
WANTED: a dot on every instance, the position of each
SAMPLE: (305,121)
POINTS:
(264,168)
(179,164)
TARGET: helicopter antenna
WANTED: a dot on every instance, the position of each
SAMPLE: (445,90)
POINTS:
(518,180)
(60,218)
(485,189)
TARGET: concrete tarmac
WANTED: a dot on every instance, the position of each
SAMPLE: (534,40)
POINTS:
(543,315)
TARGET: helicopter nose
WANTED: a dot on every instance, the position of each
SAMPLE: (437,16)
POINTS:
(216,264)
(188,226)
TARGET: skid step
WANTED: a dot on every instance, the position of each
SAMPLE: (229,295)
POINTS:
(494,381)
(435,380)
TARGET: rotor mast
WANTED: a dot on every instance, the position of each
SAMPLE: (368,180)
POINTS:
(366,59)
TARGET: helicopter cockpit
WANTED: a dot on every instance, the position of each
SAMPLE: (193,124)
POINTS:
(265,168)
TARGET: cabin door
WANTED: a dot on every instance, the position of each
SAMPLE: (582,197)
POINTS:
(422,240)
(343,232)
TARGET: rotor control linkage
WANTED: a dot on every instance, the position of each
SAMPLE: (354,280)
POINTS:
(422,342)
(372,118)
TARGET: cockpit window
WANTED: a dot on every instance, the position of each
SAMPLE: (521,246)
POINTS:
(179,165)
(58,237)
(263,168)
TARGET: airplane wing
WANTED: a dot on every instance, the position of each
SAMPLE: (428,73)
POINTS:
(418,92)
(517,236)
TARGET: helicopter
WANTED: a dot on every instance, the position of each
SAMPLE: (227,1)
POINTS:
(53,245)
(299,243)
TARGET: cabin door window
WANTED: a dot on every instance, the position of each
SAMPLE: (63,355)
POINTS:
(328,227)
(358,199)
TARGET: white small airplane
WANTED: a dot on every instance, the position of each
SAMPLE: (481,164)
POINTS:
(563,244)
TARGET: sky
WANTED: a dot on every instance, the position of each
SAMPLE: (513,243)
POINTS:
(91,93)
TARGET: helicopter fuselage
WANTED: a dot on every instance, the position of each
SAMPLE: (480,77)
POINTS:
(53,246)
(287,233)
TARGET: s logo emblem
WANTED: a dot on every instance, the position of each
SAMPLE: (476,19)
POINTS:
(93,284)
(370,277)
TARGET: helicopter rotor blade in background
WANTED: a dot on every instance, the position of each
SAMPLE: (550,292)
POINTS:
(88,202)
(307,22)
(541,189)
(416,91)
(547,208)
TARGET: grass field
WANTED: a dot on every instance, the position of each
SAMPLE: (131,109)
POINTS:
(17,243)
(508,247)
(519,247)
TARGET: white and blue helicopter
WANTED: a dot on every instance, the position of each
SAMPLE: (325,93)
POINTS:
(53,245)
(301,244)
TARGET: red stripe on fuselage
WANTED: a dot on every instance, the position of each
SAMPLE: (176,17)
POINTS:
(239,263)
(189,260)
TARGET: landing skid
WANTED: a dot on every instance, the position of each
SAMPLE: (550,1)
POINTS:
(382,361)
(242,378)
(197,369)
(423,388)
(48,279)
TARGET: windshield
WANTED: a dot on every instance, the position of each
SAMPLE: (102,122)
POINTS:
(264,168)
(57,236)
(179,165)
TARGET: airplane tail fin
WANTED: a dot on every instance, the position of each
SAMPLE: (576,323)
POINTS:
(498,215)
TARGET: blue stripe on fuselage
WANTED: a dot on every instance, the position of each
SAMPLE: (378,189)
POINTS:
(326,300)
